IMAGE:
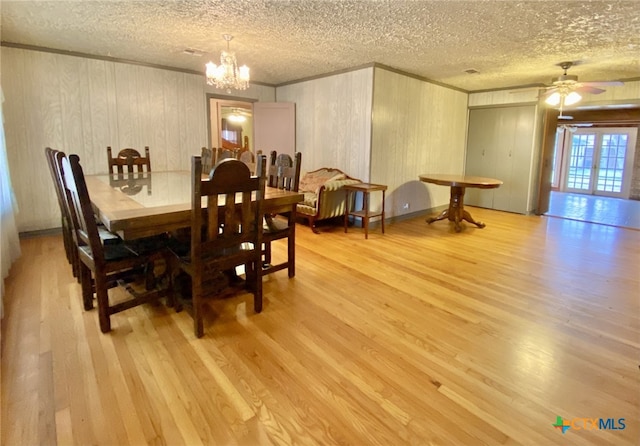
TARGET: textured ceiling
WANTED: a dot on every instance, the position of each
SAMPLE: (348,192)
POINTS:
(510,43)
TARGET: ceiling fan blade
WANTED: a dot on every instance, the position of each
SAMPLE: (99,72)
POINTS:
(589,89)
(603,83)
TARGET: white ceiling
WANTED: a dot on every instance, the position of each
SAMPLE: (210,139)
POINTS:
(510,43)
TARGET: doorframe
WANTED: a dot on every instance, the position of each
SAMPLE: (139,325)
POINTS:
(599,132)
(231,101)
(627,117)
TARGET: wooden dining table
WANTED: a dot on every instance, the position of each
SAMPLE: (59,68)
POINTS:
(456,212)
(162,203)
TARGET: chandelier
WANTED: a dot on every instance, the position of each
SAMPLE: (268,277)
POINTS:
(227,75)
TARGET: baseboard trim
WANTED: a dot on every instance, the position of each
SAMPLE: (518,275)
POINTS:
(40,233)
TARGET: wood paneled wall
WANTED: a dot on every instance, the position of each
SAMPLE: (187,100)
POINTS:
(333,121)
(383,127)
(82,105)
(418,127)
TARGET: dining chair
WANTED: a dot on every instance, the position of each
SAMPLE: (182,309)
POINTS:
(226,233)
(226,154)
(105,265)
(249,159)
(283,173)
(69,235)
(129,158)
(67,238)
(207,159)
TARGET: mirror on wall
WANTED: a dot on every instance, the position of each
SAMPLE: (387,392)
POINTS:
(231,124)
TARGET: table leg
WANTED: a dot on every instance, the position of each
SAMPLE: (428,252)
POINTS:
(365,202)
(466,216)
(383,191)
(457,202)
(346,210)
(456,206)
(444,214)
(291,243)
(455,212)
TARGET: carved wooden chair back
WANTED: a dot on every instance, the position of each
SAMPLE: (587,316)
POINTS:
(207,159)
(67,236)
(228,231)
(284,173)
(129,160)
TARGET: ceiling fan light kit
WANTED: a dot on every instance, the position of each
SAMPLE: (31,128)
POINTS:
(565,89)
(563,98)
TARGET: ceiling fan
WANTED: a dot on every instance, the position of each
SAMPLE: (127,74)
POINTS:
(565,89)
(568,83)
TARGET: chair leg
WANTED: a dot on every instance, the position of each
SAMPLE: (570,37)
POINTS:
(257,288)
(267,253)
(291,255)
(102,295)
(172,297)
(86,283)
(312,224)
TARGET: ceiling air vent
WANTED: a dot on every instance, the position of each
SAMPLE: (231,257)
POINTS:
(192,52)
(471,71)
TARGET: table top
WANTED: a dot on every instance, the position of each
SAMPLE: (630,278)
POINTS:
(461,180)
(162,203)
(365,187)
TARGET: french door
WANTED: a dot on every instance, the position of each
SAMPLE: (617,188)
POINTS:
(600,161)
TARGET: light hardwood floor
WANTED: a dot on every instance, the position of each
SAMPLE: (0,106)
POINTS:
(419,336)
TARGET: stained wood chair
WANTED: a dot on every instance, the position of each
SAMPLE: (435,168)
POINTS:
(283,173)
(67,237)
(207,159)
(224,154)
(129,158)
(54,159)
(227,234)
(110,264)
(249,159)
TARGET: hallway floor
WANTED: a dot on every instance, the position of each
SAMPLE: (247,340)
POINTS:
(595,209)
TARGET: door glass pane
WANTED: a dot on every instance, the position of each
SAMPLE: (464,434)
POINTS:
(612,159)
(581,161)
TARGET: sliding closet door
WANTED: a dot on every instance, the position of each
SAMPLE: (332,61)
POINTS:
(500,145)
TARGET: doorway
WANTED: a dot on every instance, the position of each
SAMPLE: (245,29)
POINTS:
(595,161)
(231,124)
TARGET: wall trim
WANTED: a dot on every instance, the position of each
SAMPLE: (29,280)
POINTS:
(332,73)
(420,78)
(111,59)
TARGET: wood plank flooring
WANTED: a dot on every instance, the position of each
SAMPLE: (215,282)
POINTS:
(421,336)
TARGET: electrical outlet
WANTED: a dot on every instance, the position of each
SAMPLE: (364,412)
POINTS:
(405,206)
